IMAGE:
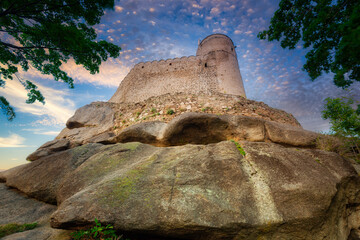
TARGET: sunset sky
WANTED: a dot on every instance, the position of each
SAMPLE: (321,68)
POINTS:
(154,30)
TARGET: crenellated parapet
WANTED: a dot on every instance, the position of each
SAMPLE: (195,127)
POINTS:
(213,69)
(163,61)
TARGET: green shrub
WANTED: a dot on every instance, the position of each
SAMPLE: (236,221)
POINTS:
(14,228)
(345,124)
(347,147)
(170,112)
(98,232)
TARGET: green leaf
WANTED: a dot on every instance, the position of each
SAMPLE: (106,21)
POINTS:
(49,33)
(331,29)
(33,93)
(7,110)
(344,119)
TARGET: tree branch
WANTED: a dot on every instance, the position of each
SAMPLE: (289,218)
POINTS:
(12,10)
(38,47)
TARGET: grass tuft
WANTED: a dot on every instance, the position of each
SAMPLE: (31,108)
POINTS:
(11,228)
(347,147)
(238,146)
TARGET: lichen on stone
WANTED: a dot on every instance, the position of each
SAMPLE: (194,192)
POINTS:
(122,187)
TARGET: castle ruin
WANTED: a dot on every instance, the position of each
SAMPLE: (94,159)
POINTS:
(214,69)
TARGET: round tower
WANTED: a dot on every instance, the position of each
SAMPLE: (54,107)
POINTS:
(218,51)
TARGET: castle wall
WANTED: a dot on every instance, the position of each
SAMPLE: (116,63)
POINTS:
(186,74)
(213,69)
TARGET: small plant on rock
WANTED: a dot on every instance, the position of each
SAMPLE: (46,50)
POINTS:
(98,232)
(170,112)
(238,146)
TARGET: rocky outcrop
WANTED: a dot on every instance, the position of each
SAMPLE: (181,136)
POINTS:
(17,208)
(41,178)
(201,191)
(89,121)
(187,127)
(183,178)
(192,127)
(213,192)
(203,128)
(98,121)
(49,148)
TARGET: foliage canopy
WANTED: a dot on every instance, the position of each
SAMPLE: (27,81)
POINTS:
(331,29)
(44,34)
(345,124)
(345,120)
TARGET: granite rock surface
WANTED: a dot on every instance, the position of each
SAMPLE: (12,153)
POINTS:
(194,175)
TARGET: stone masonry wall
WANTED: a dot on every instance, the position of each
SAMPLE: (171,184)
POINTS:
(214,69)
(186,74)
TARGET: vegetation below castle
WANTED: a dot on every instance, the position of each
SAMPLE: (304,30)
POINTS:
(12,228)
(166,107)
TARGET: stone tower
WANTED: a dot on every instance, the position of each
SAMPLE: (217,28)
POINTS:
(214,69)
(218,50)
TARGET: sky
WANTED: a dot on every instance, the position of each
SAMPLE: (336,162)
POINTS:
(150,30)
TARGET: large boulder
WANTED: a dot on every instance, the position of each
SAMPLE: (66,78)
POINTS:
(107,122)
(203,128)
(214,192)
(200,191)
(17,208)
(197,176)
(56,145)
(89,121)
(196,128)
(40,179)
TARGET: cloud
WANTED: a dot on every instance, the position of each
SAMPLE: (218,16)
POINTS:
(41,131)
(219,30)
(12,141)
(119,9)
(57,106)
(250,11)
(110,74)
(215,11)
(197,6)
